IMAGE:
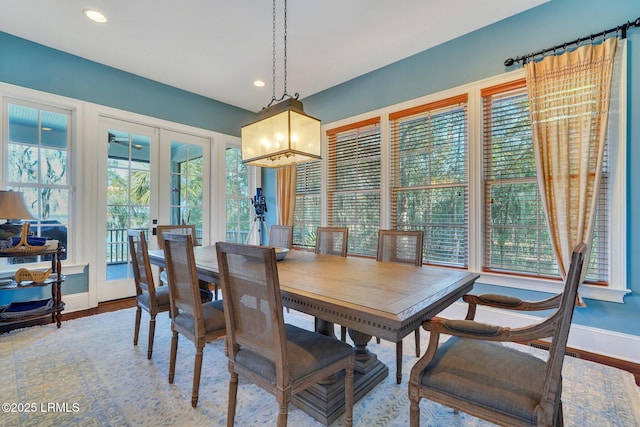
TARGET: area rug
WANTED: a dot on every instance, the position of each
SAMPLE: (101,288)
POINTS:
(88,373)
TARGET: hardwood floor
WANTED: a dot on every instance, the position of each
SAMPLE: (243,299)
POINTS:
(634,368)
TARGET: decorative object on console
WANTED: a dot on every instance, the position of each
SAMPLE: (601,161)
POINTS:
(23,275)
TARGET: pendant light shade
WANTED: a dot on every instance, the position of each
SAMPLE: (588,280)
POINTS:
(282,135)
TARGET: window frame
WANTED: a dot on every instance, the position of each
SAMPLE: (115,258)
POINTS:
(614,291)
(48,102)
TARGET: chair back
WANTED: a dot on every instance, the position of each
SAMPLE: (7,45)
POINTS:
(161,230)
(252,302)
(142,274)
(281,236)
(400,246)
(332,241)
(184,288)
(561,320)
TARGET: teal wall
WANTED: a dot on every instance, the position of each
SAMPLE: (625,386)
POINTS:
(481,54)
(466,59)
(35,66)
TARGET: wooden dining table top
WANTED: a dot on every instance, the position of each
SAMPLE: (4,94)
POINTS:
(382,299)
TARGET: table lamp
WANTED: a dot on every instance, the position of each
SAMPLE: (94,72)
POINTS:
(12,207)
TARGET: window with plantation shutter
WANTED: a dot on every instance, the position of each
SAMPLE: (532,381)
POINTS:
(429,177)
(306,217)
(353,183)
(516,237)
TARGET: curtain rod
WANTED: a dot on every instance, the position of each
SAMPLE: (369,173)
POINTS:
(622,28)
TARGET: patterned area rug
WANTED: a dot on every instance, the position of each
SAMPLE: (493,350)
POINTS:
(88,373)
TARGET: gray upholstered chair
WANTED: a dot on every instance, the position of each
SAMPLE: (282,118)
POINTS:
(198,322)
(148,298)
(332,241)
(474,372)
(161,230)
(281,359)
(281,236)
(404,246)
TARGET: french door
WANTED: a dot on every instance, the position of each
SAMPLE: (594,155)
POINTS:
(151,176)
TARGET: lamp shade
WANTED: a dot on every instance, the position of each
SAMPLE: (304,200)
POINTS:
(282,135)
(12,206)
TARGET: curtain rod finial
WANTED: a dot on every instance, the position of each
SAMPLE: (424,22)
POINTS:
(509,62)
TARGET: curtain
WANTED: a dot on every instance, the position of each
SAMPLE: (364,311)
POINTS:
(569,103)
(286,194)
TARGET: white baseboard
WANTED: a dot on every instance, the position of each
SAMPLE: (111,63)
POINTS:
(76,302)
(600,341)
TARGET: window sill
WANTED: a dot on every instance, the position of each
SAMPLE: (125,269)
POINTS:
(602,293)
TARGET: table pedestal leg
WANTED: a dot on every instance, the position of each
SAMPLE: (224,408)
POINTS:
(325,401)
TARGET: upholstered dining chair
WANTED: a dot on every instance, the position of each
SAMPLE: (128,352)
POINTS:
(281,236)
(198,322)
(332,241)
(161,230)
(280,358)
(148,298)
(474,372)
(404,246)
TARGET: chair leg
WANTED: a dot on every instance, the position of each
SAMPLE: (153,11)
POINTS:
(414,409)
(399,362)
(215,291)
(377,340)
(417,333)
(197,370)
(152,332)
(136,328)
(283,414)
(348,393)
(343,333)
(172,357)
(233,393)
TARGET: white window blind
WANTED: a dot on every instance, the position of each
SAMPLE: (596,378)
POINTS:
(516,237)
(307,215)
(429,177)
(353,184)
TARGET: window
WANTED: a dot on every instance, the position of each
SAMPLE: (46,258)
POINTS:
(238,200)
(306,218)
(429,180)
(37,163)
(354,176)
(516,238)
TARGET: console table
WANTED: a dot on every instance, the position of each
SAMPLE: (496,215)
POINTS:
(19,314)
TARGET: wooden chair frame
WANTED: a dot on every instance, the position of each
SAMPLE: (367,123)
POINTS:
(416,260)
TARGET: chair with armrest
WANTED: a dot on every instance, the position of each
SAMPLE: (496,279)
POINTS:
(474,372)
(280,358)
(198,322)
(153,300)
(332,241)
(402,246)
(161,230)
(281,236)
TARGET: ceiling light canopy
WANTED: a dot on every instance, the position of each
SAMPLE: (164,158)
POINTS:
(283,134)
(95,16)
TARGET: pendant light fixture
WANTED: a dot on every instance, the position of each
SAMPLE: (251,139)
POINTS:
(282,134)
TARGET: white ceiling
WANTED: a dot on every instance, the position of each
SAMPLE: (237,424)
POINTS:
(217,48)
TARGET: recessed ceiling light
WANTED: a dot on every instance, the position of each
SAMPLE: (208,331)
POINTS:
(258,83)
(95,16)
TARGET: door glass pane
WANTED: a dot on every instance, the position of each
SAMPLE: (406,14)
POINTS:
(128,197)
(186,185)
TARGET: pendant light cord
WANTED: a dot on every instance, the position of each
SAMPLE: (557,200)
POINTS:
(273,58)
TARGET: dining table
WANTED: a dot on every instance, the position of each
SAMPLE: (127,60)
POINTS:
(371,298)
